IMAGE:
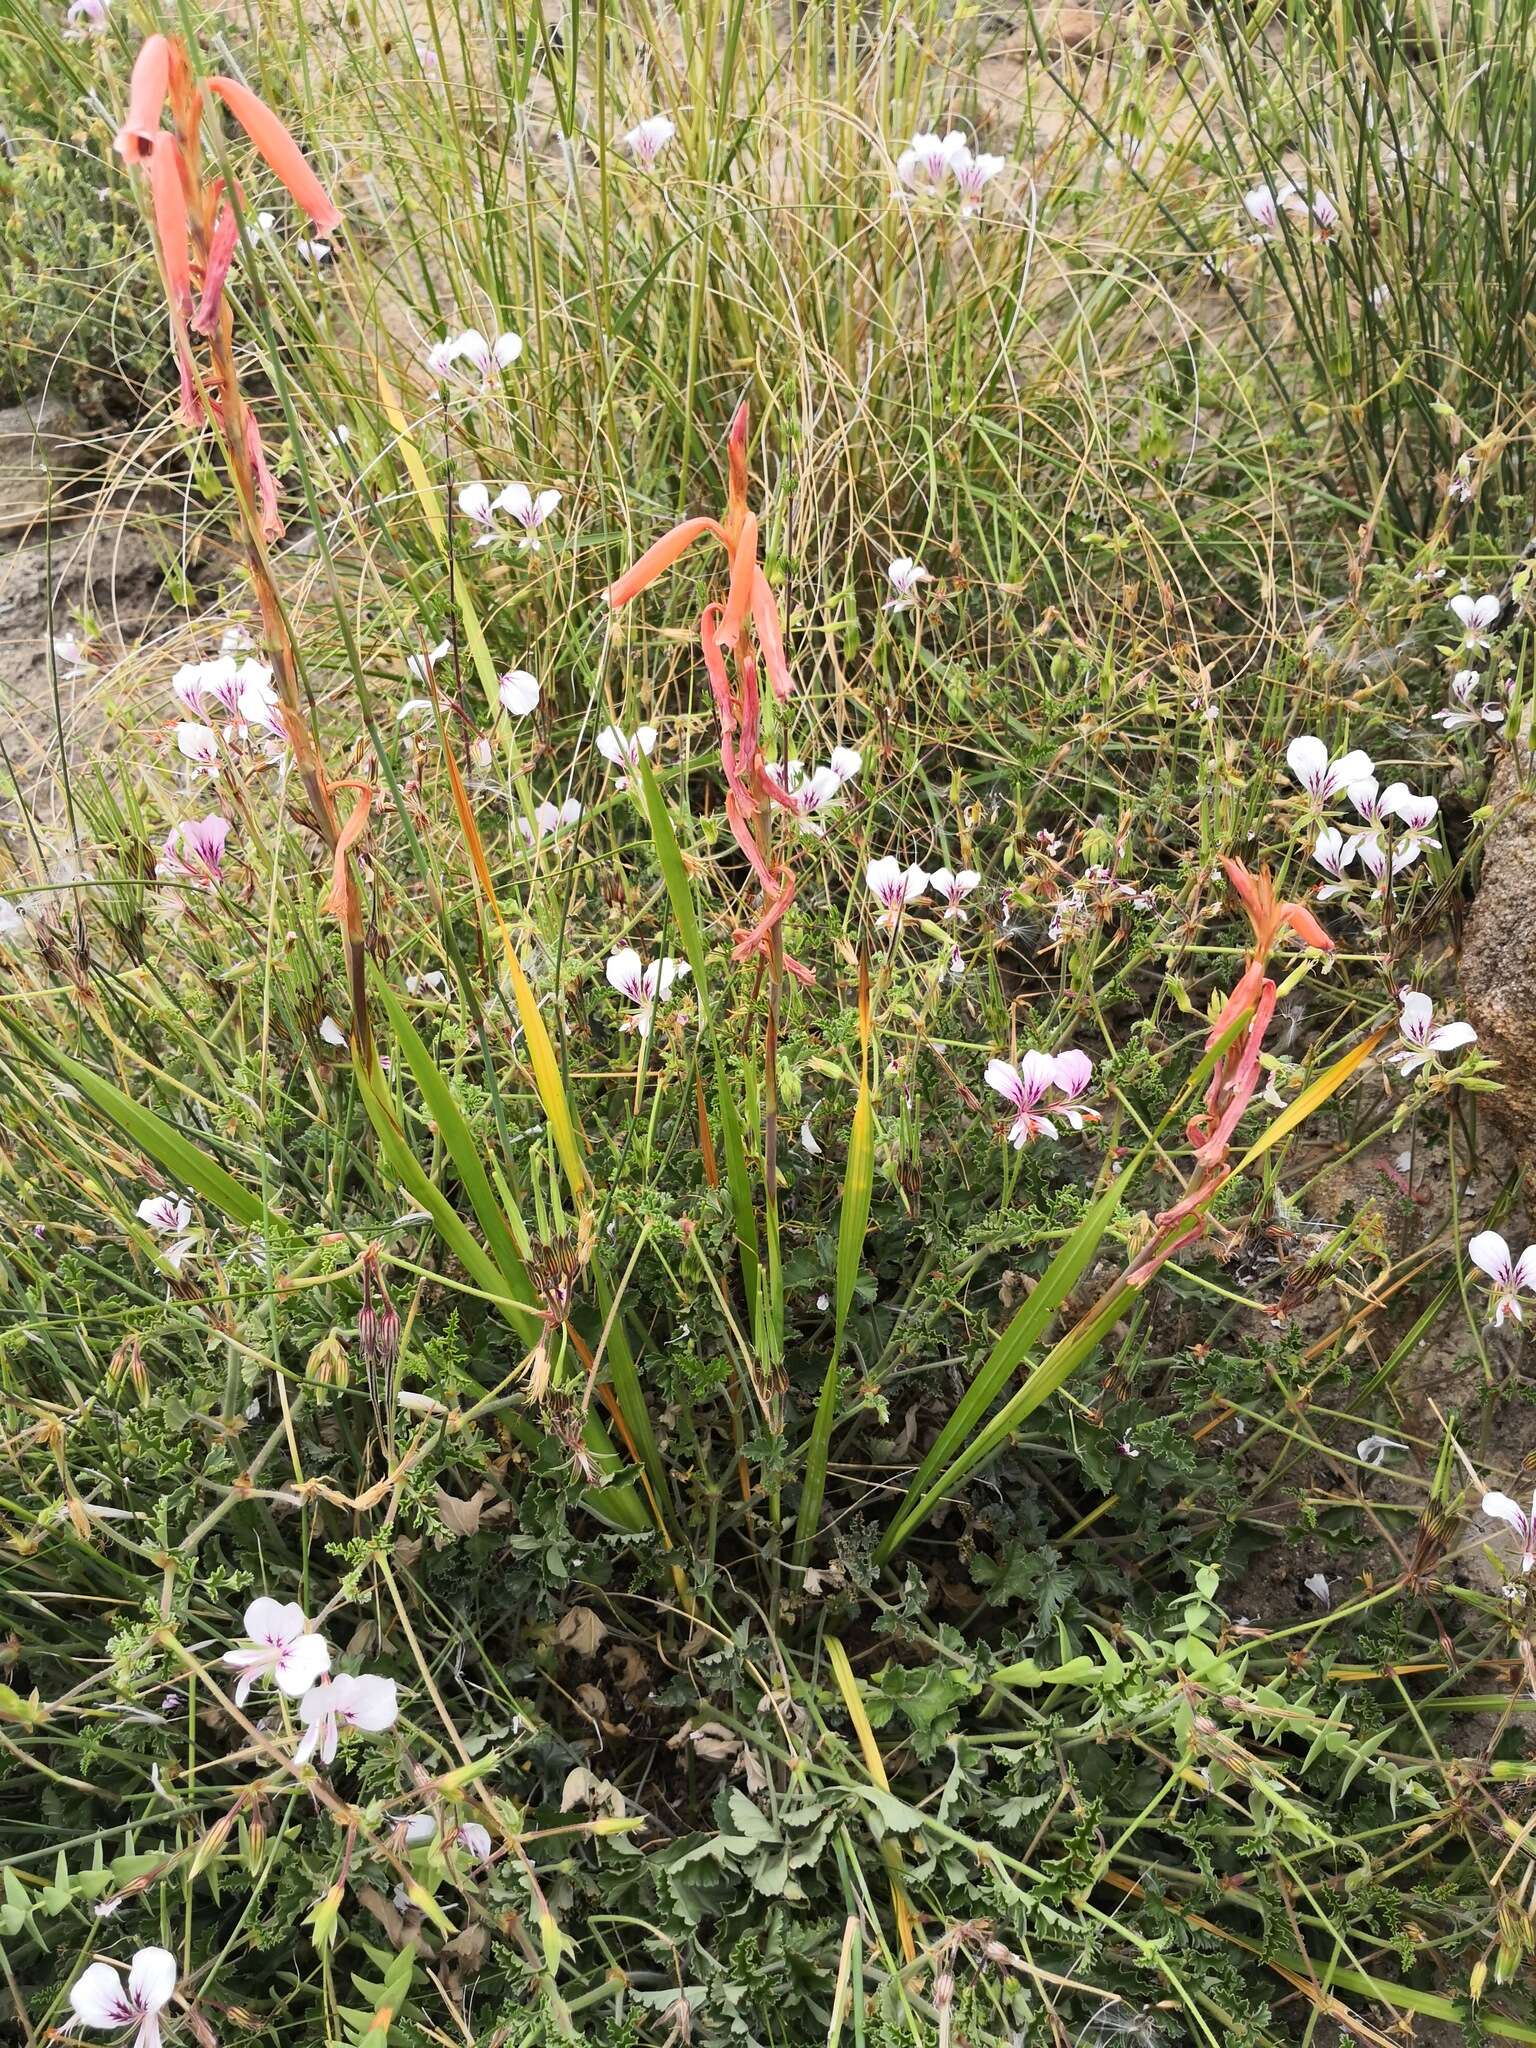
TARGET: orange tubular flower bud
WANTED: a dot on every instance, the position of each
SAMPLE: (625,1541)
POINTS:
(266,483)
(659,557)
(743,568)
(170,204)
(770,637)
(147,88)
(281,153)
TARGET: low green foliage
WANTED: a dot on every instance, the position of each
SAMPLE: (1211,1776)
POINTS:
(796,1566)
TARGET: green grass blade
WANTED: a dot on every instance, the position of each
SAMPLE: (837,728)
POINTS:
(189,1166)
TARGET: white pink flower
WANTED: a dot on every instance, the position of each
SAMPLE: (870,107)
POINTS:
(928,156)
(624,749)
(518,692)
(100,1998)
(87,17)
(1320,776)
(280,1646)
(893,887)
(529,510)
(487,358)
(806,795)
(474,501)
(648,138)
(1477,617)
(1509,1276)
(549,817)
(1423,1039)
(367,1702)
(904,575)
(166,1215)
(1262,206)
(198,744)
(1500,1508)
(644,985)
(1464,710)
(1333,853)
(1073,1072)
(954,885)
(972,172)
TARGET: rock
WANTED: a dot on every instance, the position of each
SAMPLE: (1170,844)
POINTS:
(1498,954)
(41,440)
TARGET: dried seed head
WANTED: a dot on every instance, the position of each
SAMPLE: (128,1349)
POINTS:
(554,1265)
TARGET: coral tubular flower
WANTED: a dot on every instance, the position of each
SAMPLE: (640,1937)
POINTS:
(282,155)
(726,641)
(148,88)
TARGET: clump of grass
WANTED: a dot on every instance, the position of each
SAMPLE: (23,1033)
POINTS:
(790,1471)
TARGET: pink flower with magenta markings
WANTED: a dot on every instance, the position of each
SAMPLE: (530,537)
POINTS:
(1510,1276)
(474,501)
(804,795)
(100,1998)
(648,138)
(165,1214)
(904,575)
(518,692)
(645,986)
(194,850)
(279,1646)
(1026,1086)
(487,358)
(549,817)
(367,1702)
(931,157)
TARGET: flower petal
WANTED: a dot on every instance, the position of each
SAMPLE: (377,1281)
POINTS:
(152,1979)
(99,1997)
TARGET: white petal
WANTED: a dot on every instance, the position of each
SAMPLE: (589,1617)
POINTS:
(1500,1508)
(1006,1081)
(100,1998)
(1418,1013)
(301,1664)
(152,1979)
(1451,1037)
(626,974)
(519,692)
(274,1621)
(808,1140)
(368,1702)
(1489,1251)
(1307,759)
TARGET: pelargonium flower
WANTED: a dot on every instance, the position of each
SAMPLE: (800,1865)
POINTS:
(474,501)
(1500,1508)
(1262,206)
(648,138)
(280,1646)
(1463,709)
(196,682)
(904,575)
(972,173)
(549,817)
(1373,856)
(194,850)
(518,692)
(954,887)
(100,1998)
(1477,617)
(1073,1071)
(1413,811)
(366,1702)
(1510,1276)
(1025,1087)
(624,749)
(645,985)
(484,356)
(166,1215)
(1333,853)
(420,666)
(87,17)
(893,887)
(198,744)
(804,794)
(1423,1039)
(1322,778)
(930,156)
(530,512)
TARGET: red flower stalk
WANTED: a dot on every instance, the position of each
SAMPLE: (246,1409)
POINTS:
(196,233)
(726,642)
